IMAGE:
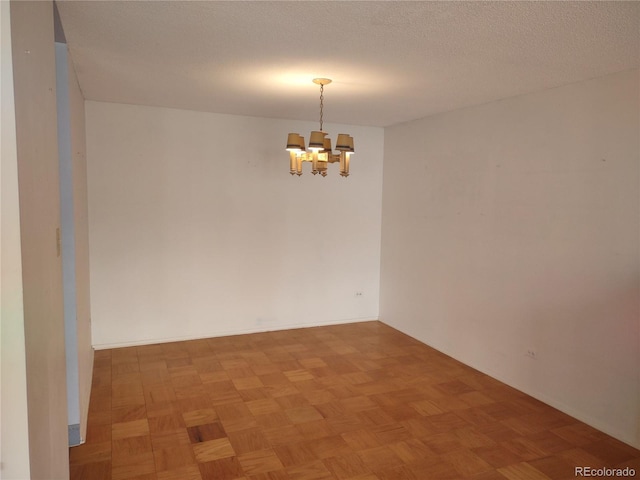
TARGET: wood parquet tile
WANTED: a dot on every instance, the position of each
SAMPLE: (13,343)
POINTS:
(347,402)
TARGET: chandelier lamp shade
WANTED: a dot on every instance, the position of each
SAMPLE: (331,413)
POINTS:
(320,152)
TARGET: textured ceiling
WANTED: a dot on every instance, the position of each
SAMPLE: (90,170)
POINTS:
(390,61)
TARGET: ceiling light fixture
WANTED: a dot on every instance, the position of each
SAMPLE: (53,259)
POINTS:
(320,146)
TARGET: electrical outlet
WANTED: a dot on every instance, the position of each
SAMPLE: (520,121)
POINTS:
(358,294)
(531,353)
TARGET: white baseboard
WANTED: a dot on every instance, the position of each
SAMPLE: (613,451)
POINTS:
(552,402)
(228,333)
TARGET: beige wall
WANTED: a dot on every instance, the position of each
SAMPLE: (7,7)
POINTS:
(515,225)
(197,229)
(37,154)
(14,437)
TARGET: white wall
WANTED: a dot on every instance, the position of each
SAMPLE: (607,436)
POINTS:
(197,229)
(75,252)
(515,225)
(37,157)
(81,230)
(68,242)
(14,438)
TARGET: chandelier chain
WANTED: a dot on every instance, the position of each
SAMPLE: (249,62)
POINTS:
(321,104)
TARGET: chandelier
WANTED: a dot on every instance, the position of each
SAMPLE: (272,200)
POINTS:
(320,146)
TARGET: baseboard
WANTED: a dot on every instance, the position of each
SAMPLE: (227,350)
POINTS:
(74,435)
(228,333)
(578,415)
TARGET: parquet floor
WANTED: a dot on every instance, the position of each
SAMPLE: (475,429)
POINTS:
(358,401)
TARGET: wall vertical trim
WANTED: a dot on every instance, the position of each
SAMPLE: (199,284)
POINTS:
(68,237)
(14,430)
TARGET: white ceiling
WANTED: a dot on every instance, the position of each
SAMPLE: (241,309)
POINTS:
(390,61)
